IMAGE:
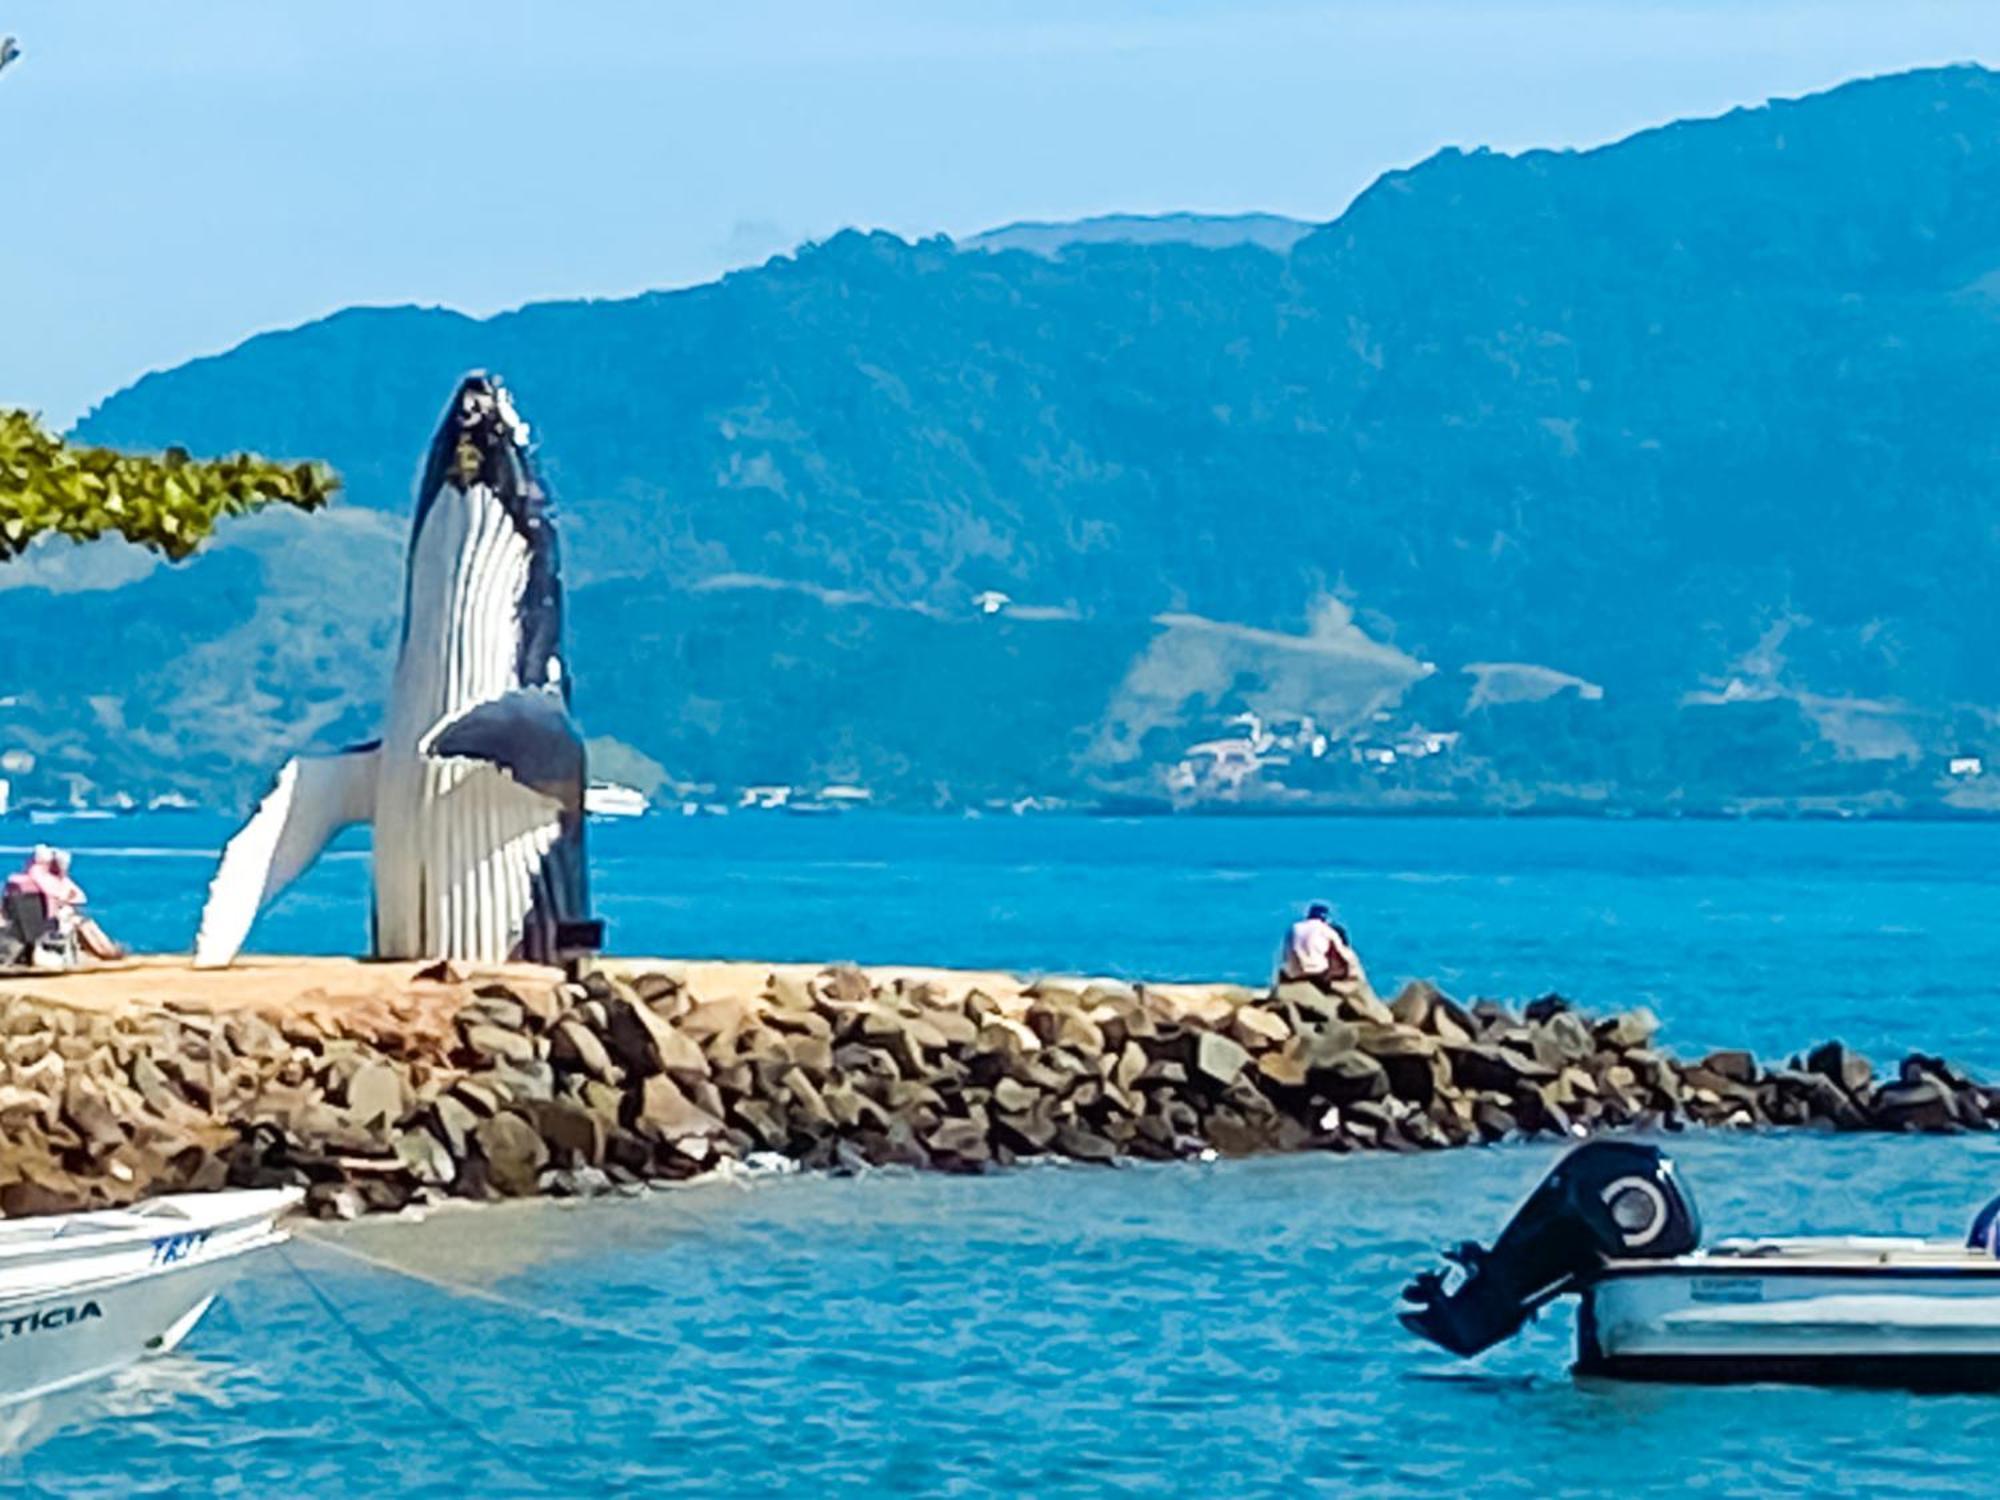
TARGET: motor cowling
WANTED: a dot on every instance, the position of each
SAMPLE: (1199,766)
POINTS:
(1605,1200)
(1984,1235)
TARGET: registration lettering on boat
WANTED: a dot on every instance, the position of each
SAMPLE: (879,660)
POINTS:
(178,1247)
(1727,1289)
(45,1318)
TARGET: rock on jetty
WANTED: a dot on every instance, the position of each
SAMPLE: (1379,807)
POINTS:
(521,1083)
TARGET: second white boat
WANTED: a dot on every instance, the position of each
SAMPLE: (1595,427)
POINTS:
(1613,1225)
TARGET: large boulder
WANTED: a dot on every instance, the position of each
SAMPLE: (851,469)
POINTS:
(644,1043)
(574,1047)
(1348,1078)
(910,1039)
(456,1120)
(574,1134)
(1220,1058)
(1564,1037)
(488,1042)
(1080,1143)
(1628,1029)
(1493,1120)
(1029,1130)
(1414,1002)
(1258,1028)
(1358,1003)
(1061,1019)
(958,1030)
(765,1120)
(660,1111)
(958,1143)
(1014,1096)
(1733,1064)
(1493,1068)
(1285,1067)
(1926,1065)
(1924,1104)
(1413,1062)
(1806,1098)
(376,1095)
(513,1153)
(1848,1069)
(425,1157)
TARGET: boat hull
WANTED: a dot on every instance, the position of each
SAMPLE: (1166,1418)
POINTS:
(77,1307)
(64,1339)
(1911,1325)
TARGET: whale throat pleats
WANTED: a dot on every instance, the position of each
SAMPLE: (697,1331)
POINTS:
(480,834)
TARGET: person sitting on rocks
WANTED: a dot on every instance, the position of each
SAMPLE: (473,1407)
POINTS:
(47,875)
(1317,953)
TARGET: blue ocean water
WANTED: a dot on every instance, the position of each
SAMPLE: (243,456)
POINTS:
(1218,1329)
(1769,935)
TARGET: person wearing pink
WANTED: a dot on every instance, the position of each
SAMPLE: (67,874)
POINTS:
(47,874)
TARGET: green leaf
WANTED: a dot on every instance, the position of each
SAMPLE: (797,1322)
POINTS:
(170,503)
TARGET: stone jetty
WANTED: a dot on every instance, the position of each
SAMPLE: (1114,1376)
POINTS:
(375,1086)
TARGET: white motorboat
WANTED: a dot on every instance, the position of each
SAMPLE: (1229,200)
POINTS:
(607,799)
(84,1294)
(1613,1225)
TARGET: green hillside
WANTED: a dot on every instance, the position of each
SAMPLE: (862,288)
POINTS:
(1660,476)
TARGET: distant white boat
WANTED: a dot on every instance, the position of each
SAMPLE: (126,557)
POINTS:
(607,799)
(838,798)
(84,1294)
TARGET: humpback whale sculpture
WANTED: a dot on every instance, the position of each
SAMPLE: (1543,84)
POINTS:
(475,790)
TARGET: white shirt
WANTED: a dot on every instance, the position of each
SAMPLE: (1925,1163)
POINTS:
(1310,946)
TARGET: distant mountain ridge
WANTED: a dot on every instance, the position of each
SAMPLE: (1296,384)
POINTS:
(1658,476)
(1273,232)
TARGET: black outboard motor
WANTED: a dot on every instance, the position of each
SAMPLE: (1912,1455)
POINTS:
(1985,1232)
(1605,1199)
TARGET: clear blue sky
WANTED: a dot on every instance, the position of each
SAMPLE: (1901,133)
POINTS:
(178,177)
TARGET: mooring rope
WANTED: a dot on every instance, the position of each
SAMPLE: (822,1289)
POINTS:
(497,1299)
(373,1352)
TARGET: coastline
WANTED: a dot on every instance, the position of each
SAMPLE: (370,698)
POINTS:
(378,1085)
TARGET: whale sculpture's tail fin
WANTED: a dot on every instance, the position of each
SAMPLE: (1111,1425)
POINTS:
(315,797)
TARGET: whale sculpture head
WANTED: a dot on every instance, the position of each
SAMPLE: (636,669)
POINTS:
(481,439)
(482,443)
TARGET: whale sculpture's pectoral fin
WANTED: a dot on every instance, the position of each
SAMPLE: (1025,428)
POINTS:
(315,797)
(528,734)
